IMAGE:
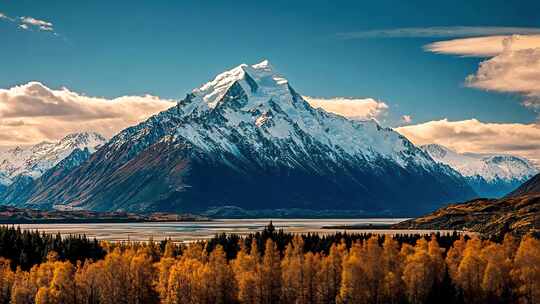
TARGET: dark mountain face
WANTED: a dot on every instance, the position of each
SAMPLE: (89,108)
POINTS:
(173,176)
(530,187)
(247,139)
(493,189)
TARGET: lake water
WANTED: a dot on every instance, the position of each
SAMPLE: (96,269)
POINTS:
(190,231)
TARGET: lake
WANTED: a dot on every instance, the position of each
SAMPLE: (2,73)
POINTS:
(191,231)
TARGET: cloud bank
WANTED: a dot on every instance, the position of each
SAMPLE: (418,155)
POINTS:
(353,108)
(32,112)
(514,66)
(479,137)
(439,32)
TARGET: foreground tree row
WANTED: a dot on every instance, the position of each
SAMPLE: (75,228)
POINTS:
(368,271)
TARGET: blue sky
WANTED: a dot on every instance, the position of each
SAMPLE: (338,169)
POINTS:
(166,48)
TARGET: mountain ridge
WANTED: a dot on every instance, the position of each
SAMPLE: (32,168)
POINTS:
(33,161)
(492,175)
(247,132)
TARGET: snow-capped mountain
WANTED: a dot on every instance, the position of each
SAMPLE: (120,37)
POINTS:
(32,161)
(247,139)
(22,187)
(489,175)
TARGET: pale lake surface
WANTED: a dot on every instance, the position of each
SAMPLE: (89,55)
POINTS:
(192,231)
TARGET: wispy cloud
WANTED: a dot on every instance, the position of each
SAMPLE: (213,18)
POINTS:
(38,24)
(489,46)
(439,32)
(5,17)
(30,23)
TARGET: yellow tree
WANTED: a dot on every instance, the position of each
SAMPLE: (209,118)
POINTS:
(244,269)
(470,272)
(418,273)
(87,281)
(164,271)
(62,287)
(6,280)
(391,289)
(526,270)
(23,291)
(329,274)
(115,281)
(196,251)
(497,272)
(436,255)
(310,286)
(189,282)
(292,275)
(141,275)
(269,274)
(180,288)
(323,293)
(373,268)
(353,278)
(454,256)
(222,283)
(41,275)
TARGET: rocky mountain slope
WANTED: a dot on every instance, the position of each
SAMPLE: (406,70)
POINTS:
(33,161)
(518,213)
(489,175)
(247,139)
(532,186)
(23,187)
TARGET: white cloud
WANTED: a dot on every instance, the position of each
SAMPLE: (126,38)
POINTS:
(514,66)
(354,108)
(479,137)
(440,31)
(30,23)
(37,24)
(32,113)
(484,46)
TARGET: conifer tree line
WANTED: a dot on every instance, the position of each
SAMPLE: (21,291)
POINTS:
(355,269)
(24,248)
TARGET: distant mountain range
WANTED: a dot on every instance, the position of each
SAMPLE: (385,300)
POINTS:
(33,161)
(248,140)
(517,213)
(490,176)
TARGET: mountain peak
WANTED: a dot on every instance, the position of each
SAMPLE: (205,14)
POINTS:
(247,132)
(83,136)
(250,78)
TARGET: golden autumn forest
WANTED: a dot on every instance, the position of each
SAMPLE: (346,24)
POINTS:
(370,269)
